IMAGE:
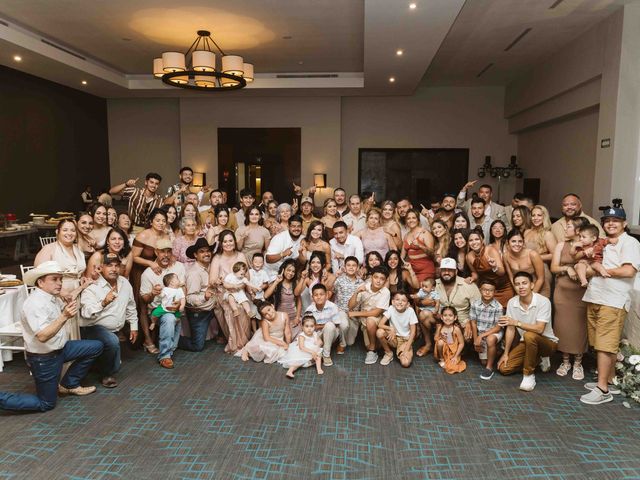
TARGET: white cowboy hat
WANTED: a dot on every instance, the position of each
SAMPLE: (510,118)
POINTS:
(45,268)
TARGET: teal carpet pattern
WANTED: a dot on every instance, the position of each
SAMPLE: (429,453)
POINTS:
(215,417)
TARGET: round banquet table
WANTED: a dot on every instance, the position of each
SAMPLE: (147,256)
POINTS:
(10,310)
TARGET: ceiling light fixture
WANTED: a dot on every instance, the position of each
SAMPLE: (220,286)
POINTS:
(17,58)
(392,79)
(399,52)
(84,82)
(197,70)
(412,6)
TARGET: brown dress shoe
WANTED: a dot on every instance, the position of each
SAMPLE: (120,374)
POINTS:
(109,382)
(340,349)
(79,390)
(166,363)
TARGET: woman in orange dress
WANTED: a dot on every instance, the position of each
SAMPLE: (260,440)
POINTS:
(417,247)
(485,263)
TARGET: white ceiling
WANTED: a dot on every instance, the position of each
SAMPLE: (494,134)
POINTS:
(356,40)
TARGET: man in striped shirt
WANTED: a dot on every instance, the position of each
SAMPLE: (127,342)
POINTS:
(142,201)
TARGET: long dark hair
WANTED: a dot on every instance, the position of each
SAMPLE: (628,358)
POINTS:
(492,239)
(453,250)
(221,236)
(126,248)
(400,285)
(165,208)
(323,262)
(155,212)
(277,293)
(313,225)
(373,253)
(250,209)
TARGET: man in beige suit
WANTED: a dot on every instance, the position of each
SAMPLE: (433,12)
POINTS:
(492,210)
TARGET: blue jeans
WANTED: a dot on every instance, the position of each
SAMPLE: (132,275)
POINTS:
(108,362)
(169,334)
(46,371)
(199,325)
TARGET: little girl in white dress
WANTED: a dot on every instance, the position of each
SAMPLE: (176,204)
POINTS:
(306,350)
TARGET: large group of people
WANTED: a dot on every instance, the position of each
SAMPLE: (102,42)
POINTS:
(295,285)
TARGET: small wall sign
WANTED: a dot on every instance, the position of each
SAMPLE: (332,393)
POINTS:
(605,143)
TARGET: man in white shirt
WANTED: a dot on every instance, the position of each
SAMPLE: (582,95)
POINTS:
(528,335)
(284,245)
(356,219)
(608,301)
(150,289)
(328,319)
(43,320)
(105,306)
(344,245)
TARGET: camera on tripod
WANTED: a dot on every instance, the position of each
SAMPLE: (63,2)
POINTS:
(617,203)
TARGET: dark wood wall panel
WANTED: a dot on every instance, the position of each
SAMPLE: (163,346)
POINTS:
(53,142)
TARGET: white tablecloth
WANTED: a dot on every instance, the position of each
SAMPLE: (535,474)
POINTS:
(10,307)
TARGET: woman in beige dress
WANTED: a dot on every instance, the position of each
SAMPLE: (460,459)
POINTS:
(271,341)
(252,237)
(390,224)
(236,328)
(540,238)
(314,241)
(570,312)
(66,252)
(221,213)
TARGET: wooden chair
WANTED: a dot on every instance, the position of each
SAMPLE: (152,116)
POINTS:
(46,240)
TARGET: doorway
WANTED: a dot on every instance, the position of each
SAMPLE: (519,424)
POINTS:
(260,159)
(420,174)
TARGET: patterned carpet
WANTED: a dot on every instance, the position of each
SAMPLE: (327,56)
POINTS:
(215,417)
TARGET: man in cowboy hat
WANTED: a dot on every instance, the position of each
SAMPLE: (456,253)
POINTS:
(608,301)
(47,344)
(200,297)
(105,306)
(150,289)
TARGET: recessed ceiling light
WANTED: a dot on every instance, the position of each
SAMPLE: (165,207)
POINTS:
(17,58)
(84,82)
(412,6)
(392,79)
(300,62)
(399,52)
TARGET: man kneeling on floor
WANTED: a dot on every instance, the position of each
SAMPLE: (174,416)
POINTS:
(44,318)
(328,319)
(105,307)
(528,334)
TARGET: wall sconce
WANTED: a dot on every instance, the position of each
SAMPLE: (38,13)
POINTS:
(199,179)
(320,180)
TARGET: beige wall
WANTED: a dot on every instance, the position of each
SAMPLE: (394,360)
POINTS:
(163,134)
(319,119)
(446,117)
(144,136)
(563,155)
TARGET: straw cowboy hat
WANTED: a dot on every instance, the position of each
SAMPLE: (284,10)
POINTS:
(45,268)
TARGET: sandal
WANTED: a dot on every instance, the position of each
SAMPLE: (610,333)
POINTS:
(152,349)
(423,351)
(578,371)
(563,369)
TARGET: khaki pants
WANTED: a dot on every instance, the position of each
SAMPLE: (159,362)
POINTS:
(526,355)
(604,327)
(333,331)
(351,331)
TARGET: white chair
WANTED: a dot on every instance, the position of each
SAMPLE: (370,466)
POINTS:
(14,332)
(23,270)
(46,240)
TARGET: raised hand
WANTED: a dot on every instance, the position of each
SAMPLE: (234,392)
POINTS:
(131,182)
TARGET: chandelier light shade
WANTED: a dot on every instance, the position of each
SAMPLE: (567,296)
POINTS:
(197,68)
(248,72)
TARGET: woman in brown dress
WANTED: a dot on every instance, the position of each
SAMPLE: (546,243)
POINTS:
(252,237)
(518,258)
(144,255)
(570,312)
(237,328)
(485,262)
(540,238)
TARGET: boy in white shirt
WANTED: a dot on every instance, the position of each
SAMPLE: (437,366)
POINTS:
(400,333)
(258,277)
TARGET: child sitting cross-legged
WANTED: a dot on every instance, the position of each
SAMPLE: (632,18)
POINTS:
(484,315)
(400,332)
(306,350)
(449,342)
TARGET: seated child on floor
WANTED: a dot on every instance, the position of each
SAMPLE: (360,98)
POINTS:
(400,332)
(484,314)
(588,252)
(170,295)
(305,350)
(449,342)
(236,283)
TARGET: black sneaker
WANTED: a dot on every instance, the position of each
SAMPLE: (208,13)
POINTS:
(486,374)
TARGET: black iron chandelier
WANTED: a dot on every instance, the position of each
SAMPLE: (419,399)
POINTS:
(500,172)
(196,69)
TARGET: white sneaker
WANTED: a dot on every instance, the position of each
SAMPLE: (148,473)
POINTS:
(371,358)
(545,364)
(387,358)
(613,389)
(528,383)
(596,397)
